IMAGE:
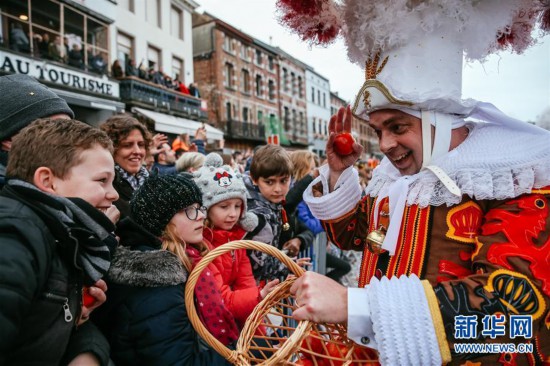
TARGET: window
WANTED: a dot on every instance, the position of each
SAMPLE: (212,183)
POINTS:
(45,14)
(300,94)
(153,56)
(125,47)
(285,80)
(271,89)
(245,114)
(226,43)
(270,62)
(260,117)
(176,22)
(245,81)
(228,75)
(244,50)
(177,69)
(319,97)
(313,124)
(293,83)
(258,57)
(228,111)
(152,12)
(259,85)
(49,20)
(74,27)
(127,4)
(286,119)
(301,119)
(324,100)
(313,94)
(97,34)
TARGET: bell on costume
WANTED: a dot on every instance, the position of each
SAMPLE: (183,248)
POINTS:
(375,239)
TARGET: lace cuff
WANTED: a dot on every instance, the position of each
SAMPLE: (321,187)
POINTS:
(344,198)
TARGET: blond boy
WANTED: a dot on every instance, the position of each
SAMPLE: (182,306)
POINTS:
(55,238)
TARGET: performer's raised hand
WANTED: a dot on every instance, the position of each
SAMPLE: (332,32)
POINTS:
(342,151)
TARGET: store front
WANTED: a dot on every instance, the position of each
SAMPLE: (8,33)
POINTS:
(64,46)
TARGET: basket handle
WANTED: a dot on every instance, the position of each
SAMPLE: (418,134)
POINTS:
(231,356)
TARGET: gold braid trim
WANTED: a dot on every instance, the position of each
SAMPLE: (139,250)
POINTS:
(382,88)
(439,328)
(371,66)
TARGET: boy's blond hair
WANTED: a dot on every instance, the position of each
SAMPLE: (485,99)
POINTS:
(53,143)
(301,161)
(270,160)
(190,160)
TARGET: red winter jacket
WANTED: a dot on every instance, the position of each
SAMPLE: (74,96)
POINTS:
(239,290)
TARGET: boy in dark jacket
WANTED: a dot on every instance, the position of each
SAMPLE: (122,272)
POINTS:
(56,242)
(268,185)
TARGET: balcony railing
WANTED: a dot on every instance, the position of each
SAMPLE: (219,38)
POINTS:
(244,130)
(142,93)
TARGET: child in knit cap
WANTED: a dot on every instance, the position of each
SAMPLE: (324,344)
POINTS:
(224,196)
(147,321)
(25,99)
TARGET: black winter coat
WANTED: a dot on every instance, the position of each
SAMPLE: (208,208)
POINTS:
(144,318)
(40,294)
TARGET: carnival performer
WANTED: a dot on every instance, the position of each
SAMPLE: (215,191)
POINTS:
(454,225)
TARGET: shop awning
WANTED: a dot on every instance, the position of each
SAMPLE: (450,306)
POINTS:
(90,101)
(177,125)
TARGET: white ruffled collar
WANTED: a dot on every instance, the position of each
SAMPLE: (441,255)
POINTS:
(493,163)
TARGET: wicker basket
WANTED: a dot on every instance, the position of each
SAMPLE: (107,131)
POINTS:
(270,336)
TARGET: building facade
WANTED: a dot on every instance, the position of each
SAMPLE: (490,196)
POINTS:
(238,78)
(318,110)
(155,37)
(71,47)
(292,101)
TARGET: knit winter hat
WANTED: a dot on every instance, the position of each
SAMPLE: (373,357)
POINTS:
(24,100)
(218,183)
(161,197)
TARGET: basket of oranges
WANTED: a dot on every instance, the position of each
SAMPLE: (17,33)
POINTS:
(271,336)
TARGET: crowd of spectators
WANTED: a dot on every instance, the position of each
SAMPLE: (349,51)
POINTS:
(57,48)
(153,75)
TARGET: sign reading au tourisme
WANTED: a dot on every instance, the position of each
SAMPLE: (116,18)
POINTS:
(42,70)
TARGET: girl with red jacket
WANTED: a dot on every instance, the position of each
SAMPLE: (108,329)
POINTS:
(224,196)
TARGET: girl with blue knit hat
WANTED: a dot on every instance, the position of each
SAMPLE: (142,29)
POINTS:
(224,196)
(147,322)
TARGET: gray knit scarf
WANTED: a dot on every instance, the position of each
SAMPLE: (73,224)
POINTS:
(81,221)
(134,180)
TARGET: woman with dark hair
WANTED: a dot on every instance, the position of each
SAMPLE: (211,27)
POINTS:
(131,139)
